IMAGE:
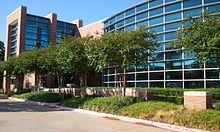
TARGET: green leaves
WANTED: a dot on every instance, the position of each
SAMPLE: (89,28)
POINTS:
(202,36)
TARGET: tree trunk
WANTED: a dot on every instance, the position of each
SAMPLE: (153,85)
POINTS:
(20,79)
(124,81)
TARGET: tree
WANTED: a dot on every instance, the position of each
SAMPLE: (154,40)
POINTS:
(2,51)
(122,49)
(202,37)
(73,58)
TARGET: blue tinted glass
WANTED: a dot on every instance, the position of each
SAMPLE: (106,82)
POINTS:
(157,57)
(156,11)
(190,3)
(158,29)
(172,26)
(30,36)
(142,16)
(112,20)
(160,37)
(173,7)
(170,36)
(173,16)
(129,20)
(141,7)
(30,41)
(192,12)
(31,29)
(31,23)
(155,3)
(131,27)
(130,12)
(119,24)
(156,66)
(29,47)
(210,1)
(190,64)
(31,18)
(156,20)
(213,8)
(167,1)
(173,55)
(143,23)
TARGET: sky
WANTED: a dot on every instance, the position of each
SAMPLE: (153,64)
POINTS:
(67,10)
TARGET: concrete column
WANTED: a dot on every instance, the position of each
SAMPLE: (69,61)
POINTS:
(53,28)
(197,100)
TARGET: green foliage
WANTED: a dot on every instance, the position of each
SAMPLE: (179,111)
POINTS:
(202,37)
(171,99)
(217,105)
(108,104)
(122,48)
(206,120)
(76,102)
(148,110)
(43,97)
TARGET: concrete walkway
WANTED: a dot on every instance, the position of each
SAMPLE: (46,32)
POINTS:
(22,117)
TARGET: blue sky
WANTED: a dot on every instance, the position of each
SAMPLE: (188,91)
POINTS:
(67,10)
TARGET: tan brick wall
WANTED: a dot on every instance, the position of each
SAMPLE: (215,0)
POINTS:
(197,100)
(93,29)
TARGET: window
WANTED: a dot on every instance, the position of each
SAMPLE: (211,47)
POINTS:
(157,76)
(190,3)
(130,12)
(194,84)
(173,55)
(159,37)
(174,75)
(142,84)
(172,26)
(192,13)
(30,42)
(155,11)
(130,77)
(30,36)
(173,7)
(143,23)
(195,74)
(158,29)
(142,67)
(129,20)
(213,84)
(172,65)
(157,56)
(119,24)
(167,1)
(174,84)
(113,19)
(156,84)
(191,64)
(170,36)
(155,3)
(172,17)
(131,27)
(141,7)
(213,8)
(212,74)
(156,66)
(189,55)
(156,20)
(210,1)
(142,16)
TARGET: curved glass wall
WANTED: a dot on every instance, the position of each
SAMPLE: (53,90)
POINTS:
(168,67)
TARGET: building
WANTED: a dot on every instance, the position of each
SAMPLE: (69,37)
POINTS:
(169,67)
(26,31)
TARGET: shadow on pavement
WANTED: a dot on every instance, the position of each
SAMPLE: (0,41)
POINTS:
(7,105)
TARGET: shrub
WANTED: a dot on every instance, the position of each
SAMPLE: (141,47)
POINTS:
(148,110)
(47,97)
(75,102)
(171,99)
(109,104)
(206,120)
(217,105)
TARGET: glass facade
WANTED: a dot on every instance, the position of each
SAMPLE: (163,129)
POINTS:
(13,38)
(168,67)
(37,31)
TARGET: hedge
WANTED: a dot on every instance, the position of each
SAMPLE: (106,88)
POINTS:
(47,97)
(109,104)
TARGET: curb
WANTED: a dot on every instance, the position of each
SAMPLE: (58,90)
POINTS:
(122,118)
